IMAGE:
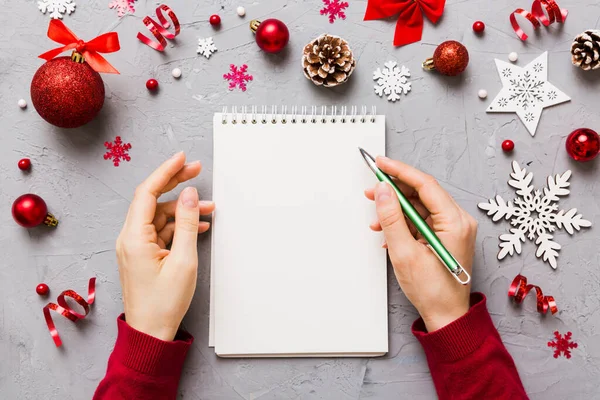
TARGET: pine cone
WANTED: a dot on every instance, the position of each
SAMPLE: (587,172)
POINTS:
(585,50)
(328,61)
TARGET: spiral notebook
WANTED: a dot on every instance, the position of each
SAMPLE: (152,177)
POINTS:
(296,271)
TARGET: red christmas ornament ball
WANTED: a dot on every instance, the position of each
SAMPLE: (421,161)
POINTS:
(152,84)
(66,93)
(24,164)
(29,210)
(450,58)
(272,35)
(42,289)
(508,145)
(478,26)
(583,144)
(214,20)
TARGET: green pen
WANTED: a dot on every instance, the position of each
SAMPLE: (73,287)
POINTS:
(435,244)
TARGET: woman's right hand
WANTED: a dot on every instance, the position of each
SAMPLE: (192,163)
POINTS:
(428,285)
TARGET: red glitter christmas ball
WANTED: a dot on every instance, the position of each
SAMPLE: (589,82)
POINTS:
(66,93)
(152,84)
(42,289)
(478,26)
(508,145)
(583,144)
(272,35)
(214,20)
(24,164)
(450,58)
(30,210)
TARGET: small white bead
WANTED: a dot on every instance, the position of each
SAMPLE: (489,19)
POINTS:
(22,103)
(241,11)
(176,73)
(513,56)
(482,93)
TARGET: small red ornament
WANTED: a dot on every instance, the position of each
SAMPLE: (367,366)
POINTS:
(583,144)
(215,20)
(152,84)
(478,26)
(508,145)
(30,210)
(42,289)
(272,35)
(24,164)
(450,58)
(67,93)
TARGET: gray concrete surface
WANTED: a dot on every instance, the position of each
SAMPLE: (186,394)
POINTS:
(440,127)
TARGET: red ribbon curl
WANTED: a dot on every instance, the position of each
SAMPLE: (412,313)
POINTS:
(105,43)
(66,311)
(537,15)
(519,290)
(160,31)
(409,27)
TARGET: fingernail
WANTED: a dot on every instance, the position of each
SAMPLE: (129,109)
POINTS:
(203,225)
(189,197)
(207,203)
(383,192)
(176,155)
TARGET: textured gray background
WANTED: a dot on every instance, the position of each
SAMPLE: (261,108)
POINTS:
(440,127)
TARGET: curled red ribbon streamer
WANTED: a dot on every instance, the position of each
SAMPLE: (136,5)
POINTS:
(409,27)
(66,311)
(519,290)
(105,43)
(537,15)
(160,31)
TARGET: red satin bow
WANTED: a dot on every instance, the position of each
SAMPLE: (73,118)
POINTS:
(105,43)
(410,22)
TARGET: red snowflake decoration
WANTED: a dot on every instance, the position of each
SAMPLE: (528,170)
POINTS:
(237,77)
(122,6)
(335,9)
(562,344)
(117,151)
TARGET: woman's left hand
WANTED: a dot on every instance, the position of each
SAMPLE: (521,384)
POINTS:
(158,283)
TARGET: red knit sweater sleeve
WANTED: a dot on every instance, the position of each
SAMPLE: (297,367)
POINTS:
(142,366)
(467,359)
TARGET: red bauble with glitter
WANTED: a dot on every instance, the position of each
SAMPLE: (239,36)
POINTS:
(583,144)
(450,58)
(272,35)
(30,210)
(67,93)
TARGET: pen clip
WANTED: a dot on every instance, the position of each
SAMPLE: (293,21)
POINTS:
(455,274)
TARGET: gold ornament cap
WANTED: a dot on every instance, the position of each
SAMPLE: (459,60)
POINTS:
(77,57)
(428,64)
(254,25)
(51,220)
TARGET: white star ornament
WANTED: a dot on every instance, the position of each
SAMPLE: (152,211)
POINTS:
(526,91)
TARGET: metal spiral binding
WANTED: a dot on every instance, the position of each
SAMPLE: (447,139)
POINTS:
(298,115)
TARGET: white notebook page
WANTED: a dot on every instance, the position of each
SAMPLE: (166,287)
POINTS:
(296,270)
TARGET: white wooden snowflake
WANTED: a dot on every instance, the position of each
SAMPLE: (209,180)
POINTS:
(534,214)
(392,80)
(206,47)
(56,8)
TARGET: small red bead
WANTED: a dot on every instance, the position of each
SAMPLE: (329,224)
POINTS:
(42,289)
(478,26)
(152,84)
(508,145)
(24,164)
(214,20)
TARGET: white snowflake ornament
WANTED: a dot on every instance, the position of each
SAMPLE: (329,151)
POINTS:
(526,91)
(206,47)
(534,214)
(392,80)
(56,8)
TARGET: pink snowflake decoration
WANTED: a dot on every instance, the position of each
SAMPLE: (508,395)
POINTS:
(237,77)
(117,151)
(562,344)
(335,9)
(122,6)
